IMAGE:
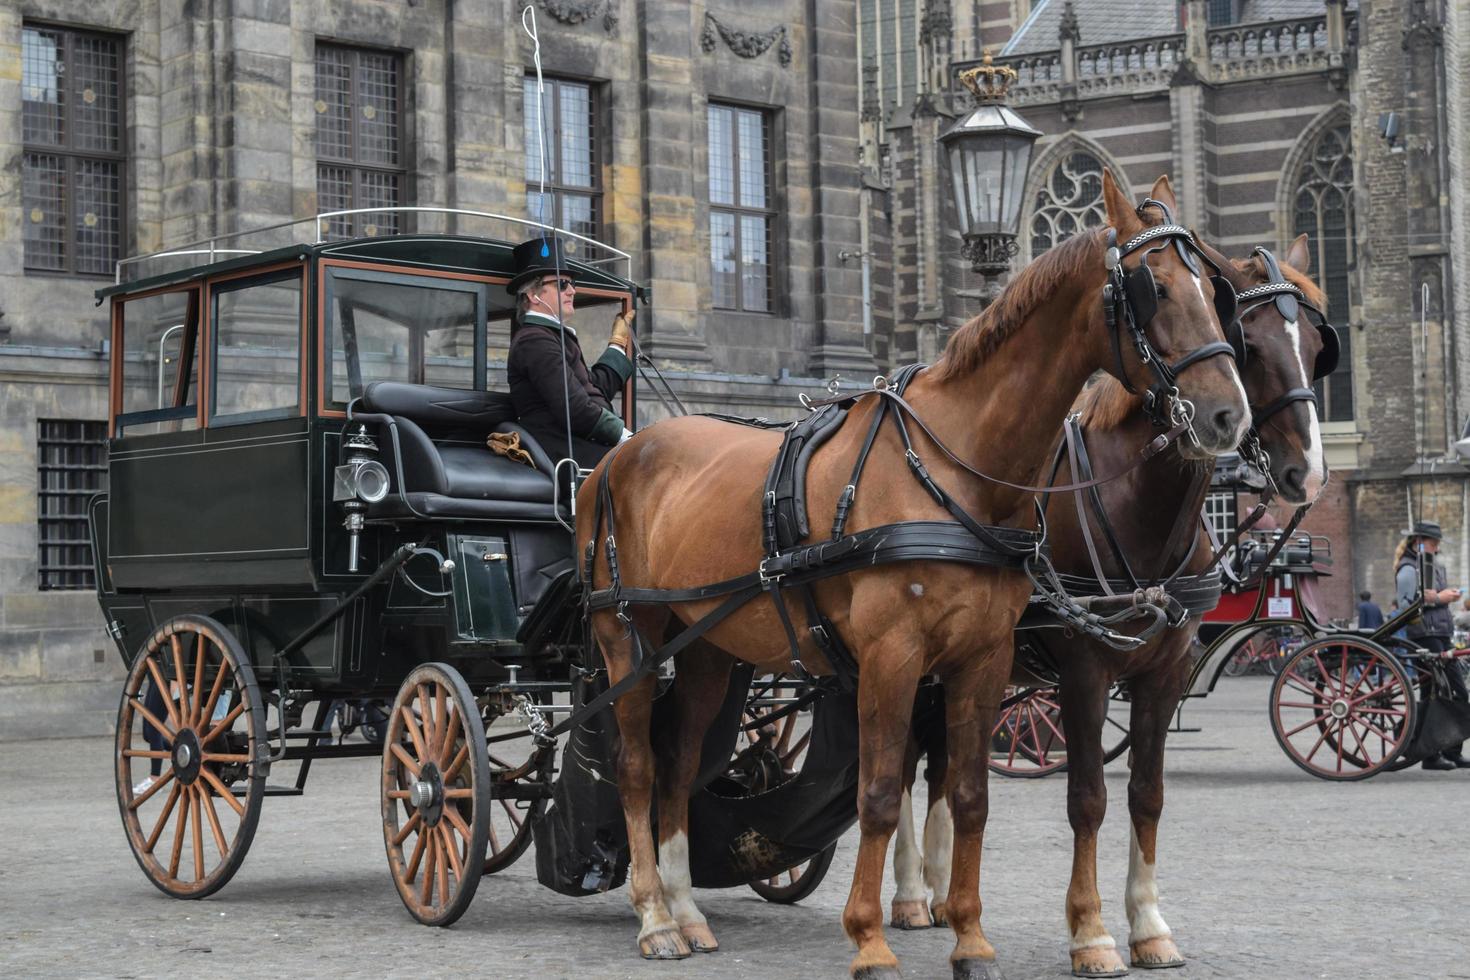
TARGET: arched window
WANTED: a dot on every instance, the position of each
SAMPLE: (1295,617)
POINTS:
(1323,209)
(1069,200)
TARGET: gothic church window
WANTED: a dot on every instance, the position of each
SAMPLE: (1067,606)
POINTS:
(573,196)
(73,158)
(1070,199)
(359,139)
(1323,209)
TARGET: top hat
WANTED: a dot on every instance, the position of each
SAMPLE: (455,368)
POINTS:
(541,256)
(1425,529)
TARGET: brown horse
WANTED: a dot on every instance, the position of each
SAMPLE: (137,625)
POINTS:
(686,495)
(1143,507)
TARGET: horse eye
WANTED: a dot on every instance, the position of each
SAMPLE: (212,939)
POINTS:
(1159,290)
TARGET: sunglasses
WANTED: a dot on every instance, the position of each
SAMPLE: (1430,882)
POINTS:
(562,285)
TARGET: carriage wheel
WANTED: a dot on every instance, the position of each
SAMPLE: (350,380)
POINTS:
(1029,742)
(190,703)
(510,824)
(1342,708)
(436,794)
(772,755)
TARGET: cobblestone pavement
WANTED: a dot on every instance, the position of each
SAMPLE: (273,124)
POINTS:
(1265,872)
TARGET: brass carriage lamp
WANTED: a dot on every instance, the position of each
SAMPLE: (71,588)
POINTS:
(989,157)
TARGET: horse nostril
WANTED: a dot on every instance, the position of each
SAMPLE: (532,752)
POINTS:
(1226,420)
(1294,478)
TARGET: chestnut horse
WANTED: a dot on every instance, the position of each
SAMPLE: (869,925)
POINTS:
(1143,507)
(686,494)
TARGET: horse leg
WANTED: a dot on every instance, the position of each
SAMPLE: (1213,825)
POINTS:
(910,902)
(1150,943)
(1083,698)
(659,937)
(970,703)
(702,676)
(886,686)
(938,828)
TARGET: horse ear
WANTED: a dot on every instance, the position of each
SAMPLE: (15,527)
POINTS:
(1299,256)
(1121,213)
(1164,192)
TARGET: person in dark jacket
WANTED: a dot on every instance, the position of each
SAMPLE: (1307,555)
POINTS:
(549,378)
(1370,617)
(1435,625)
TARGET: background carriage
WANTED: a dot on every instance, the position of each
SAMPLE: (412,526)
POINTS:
(305,532)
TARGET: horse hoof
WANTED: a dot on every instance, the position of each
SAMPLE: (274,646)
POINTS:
(700,938)
(941,917)
(1159,953)
(876,973)
(976,969)
(665,944)
(911,915)
(1098,961)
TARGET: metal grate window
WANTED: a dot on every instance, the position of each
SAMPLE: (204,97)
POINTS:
(359,139)
(568,114)
(1220,512)
(72,163)
(71,464)
(742,215)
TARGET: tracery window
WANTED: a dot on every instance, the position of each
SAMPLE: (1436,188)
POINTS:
(1323,209)
(1069,200)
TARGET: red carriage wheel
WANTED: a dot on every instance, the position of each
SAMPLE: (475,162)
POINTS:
(1028,741)
(190,705)
(436,794)
(1343,708)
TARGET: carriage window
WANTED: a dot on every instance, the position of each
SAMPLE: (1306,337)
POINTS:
(257,347)
(159,363)
(387,327)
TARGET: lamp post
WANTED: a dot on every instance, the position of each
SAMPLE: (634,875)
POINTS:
(989,157)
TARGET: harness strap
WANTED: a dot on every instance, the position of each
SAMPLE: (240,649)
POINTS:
(1076,450)
(1294,395)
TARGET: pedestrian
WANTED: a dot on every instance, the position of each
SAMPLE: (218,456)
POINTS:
(1462,618)
(1370,617)
(1433,627)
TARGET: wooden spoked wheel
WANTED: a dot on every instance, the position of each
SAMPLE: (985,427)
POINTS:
(773,753)
(511,819)
(436,794)
(190,705)
(1028,740)
(1343,708)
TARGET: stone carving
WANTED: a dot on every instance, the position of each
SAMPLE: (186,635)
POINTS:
(579,11)
(743,44)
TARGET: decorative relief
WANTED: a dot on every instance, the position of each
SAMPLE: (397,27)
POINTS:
(579,11)
(743,44)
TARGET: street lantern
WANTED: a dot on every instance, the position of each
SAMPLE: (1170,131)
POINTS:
(989,157)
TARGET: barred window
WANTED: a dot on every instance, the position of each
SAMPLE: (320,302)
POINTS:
(742,216)
(359,139)
(1220,13)
(1324,211)
(72,160)
(1220,512)
(72,466)
(1069,200)
(567,117)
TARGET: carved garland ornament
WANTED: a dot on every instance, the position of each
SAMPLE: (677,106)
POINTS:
(577,11)
(743,44)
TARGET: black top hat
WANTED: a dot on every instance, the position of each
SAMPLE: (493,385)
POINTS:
(541,256)
(1425,529)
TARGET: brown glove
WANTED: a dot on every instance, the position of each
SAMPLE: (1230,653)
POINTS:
(622,335)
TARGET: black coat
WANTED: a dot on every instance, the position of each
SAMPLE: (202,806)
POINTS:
(547,384)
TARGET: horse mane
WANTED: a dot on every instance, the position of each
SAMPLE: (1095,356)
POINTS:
(1255,267)
(1105,403)
(982,335)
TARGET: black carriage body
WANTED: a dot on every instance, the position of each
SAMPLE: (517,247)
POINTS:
(226,508)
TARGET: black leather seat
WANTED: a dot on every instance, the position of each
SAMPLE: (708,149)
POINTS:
(438,435)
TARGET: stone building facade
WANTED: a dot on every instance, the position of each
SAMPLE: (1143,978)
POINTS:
(1268,115)
(133,126)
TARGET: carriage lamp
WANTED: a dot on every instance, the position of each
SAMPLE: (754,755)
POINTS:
(358,482)
(989,154)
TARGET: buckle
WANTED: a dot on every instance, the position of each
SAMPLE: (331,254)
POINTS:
(768,579)
(819,633)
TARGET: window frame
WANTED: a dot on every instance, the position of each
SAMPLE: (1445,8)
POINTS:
(770,214)
(117,419)
(1308,177)
(353,165)
(597,128)
(87,574)
(235,282)
(71,156)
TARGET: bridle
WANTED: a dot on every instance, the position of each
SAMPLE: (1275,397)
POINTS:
(1289,301)
(1131,300)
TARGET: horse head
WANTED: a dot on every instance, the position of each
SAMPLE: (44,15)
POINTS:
(1165,324)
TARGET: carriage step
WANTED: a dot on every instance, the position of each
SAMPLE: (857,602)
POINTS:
(271,790)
